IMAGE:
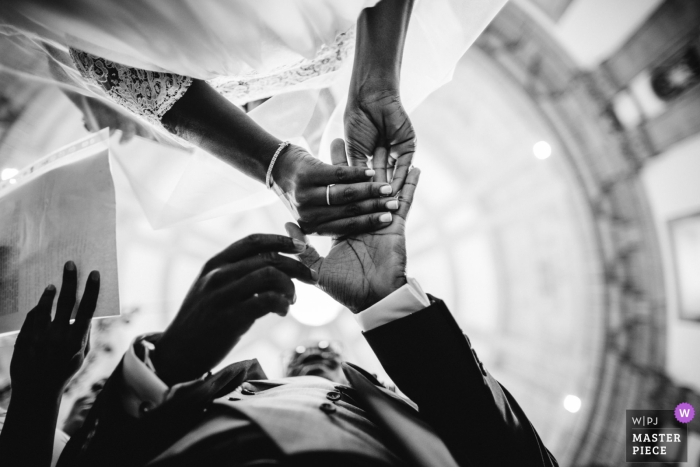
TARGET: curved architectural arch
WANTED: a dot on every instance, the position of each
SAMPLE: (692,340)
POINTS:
(606,162)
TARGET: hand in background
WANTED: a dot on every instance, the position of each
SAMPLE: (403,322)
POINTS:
(49,353)
(357,204)
(375,118)
(246,281)
(362,269)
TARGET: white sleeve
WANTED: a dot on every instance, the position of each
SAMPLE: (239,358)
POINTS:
(141,385)
(404,301)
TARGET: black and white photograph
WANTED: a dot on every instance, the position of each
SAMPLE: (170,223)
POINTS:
(349,233)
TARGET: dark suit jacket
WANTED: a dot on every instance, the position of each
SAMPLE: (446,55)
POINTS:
(465,416)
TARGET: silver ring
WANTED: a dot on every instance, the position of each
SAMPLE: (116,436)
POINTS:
(328,193)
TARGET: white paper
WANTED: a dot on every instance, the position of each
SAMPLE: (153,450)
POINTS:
(60,208)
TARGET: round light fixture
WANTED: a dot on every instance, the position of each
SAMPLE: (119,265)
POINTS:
(8,173)
(572,403)
(313,307)
(542,150)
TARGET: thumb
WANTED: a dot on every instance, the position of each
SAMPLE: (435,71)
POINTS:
(356,135)
(338,155)
(309,257)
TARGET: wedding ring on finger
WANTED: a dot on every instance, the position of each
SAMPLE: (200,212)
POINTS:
(328,193)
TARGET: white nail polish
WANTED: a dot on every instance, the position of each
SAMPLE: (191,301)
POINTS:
(386,217)
(385,190)
(393,204)
(369,172)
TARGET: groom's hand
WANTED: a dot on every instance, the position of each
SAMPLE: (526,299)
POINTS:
(360,270)
(246,281)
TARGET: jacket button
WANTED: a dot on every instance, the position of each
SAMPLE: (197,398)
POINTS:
(328,408)
(145,407)
(247,392)
(333,396)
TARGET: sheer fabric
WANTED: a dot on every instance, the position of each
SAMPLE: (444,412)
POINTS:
(150,94)
(247,49)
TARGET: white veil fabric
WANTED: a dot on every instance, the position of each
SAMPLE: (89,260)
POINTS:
(220,40)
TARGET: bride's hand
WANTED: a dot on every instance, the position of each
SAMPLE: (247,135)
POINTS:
(374,117)
(357,205)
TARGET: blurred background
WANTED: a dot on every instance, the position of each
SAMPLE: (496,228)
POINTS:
(558,216)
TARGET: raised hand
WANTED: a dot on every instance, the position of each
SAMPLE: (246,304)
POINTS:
(48,353)
(362,269)
(246,281)
(357,205)
(375,118)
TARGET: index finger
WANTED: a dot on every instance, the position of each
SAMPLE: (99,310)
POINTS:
(328,174)
(253,245)
(42,311)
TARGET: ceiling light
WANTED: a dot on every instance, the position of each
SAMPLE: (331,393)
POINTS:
(542,150)
(8,173)
(572,403)
(313,307)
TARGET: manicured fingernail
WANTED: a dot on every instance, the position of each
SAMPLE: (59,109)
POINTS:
(369,172)
(51,288)
(386,217)
(385,190)
(314,275)
(299,244)
(70,266)
(94,276)
(393,204)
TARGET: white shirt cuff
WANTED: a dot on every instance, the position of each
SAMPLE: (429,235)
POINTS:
(401,303)
(142,388)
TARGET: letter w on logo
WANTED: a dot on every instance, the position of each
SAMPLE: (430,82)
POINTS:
(685,412)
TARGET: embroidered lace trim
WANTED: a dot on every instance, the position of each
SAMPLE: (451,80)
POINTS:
(255,85)
(149,94)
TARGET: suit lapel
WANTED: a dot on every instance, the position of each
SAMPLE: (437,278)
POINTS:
(415,439)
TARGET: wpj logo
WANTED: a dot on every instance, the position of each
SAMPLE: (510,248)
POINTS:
(658,435)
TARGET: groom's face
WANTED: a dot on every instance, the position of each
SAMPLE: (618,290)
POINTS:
(322,359)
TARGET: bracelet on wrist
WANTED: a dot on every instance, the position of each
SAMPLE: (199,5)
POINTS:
(268,177)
